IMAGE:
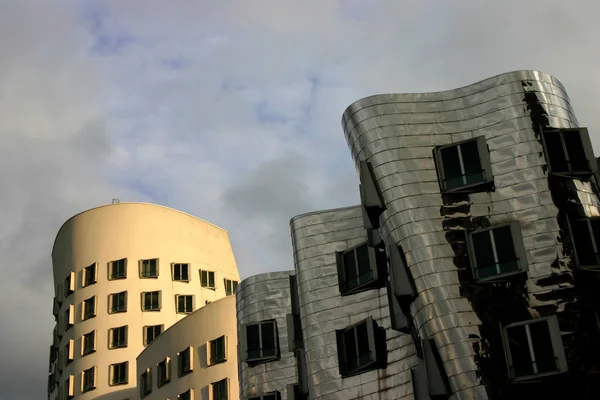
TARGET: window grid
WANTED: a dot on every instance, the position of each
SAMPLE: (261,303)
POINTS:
(151,301)
(89,275)
(118,302)
(89,343)
(118,373)
(118,269)
(151,333)
(118,337)
(217,350)
(219,390)
(230,287)
(88,380)
(181,272)
(185,304)
(207,279)
(149,268)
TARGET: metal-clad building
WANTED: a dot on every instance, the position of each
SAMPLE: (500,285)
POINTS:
(470,268)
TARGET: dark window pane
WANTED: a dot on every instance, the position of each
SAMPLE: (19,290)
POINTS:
(583,243)
(471,162)
(555,154)
(351,277)
(362,338)
(575,150)
(211,279)
(253,341)
(364,268)
(519,351)
(350,349)
(505,250)
(268,340)
(453,173)
(484,255)
(542,347)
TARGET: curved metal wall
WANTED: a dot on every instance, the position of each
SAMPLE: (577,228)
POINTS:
(396,134)
(263,297)
(315,239)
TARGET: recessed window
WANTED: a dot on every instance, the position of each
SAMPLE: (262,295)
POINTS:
(88,343)
(149,268)
(151,301)
(90,275)
(187,395)
(117,302)
(69,317)
(69,284)
(185,303)
(118,269)
(207,279)
(163,371)
(370,196)
(230,287)
(260,342)
(185,361)
(586,241)
(151,333)
(497,252)
(219,390)
(69,386)
(89,308)
(534,348)
(146,383)
(181,272)
(217,350)
(361,268)
(268,396)
(294,331)
(88,379)
(119,373)
(69,351)
(117,337)
(569,151)
(464,166)
(401,290)
(360,348)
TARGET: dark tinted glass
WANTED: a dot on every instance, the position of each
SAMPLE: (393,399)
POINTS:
(583,243)
(451,164)
(575,150)
(556,155)
(253,341)
(484,255)
(364,267)
(350,272)
(542,347)
(268,339)
(471,162)
(519,351)
(505,250)
(352,358)
(362,337)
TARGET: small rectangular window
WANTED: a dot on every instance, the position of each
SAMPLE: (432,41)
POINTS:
(207,279)
(117,302)
(230,286)
(220,390)
(151,301)
(260,341)
(146,383)
(534,348)
(151,333)
(89,275)
(70,351)
(117,269)
(294,332)
(117,337)
(217,350)
(187,395)
(119,373)
(69,317)
(585,234)
(89,308)
(370,196)
(163,371)
(267,396)
(69,284)
(464,166)
(497,252)
(88,380)
(149,268)
(181,272)
(359,349)
(569,151)
(361,268)
(88,343)
(185,303)
(69,390)
(185,361)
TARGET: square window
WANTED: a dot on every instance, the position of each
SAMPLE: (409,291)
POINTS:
(89,275)
(181,272)
(260,342)
(207,279)
(187,395)
(185,303)
(146,383)
(164,372)
(497,252)
(217,349)
(464,166)
(585,234)
(151,301)
(219,390)
(88,379)
(117,337)
(230,287)
(149,268)
(88,343)
(185,361)
(69,284)
(151,333)
(89,308)
(361,268)
(359,349)
(118,269)
(119,373)
(534,348)
(569,151)
(117,302)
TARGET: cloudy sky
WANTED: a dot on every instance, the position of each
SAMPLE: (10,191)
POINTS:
(228,110)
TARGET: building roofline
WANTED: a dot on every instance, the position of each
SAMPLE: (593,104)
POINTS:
(321,212)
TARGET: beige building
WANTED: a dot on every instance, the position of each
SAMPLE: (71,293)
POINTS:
(194,359)
(124,273)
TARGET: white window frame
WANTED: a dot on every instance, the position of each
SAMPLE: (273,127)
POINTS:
(111,333)
(167,363)
(484,159)
(84,304)
(93,385)
(341,268)
(244,342)
(179,266)
(147,327)
(208,280)
(587,149)
(91,349)
(186,296)
(231,282)
(84,275)
(557,347)
(141,267)
(111,269)
(112,370)
(209,352)
(111,302)
(159,306)
(185,369)
(518,245)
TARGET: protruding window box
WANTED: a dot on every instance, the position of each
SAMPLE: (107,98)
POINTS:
(361,268)
(370,196)
(361,348)
(259,342)
(569,152)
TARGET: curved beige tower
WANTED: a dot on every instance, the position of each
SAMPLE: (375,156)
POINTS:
(123,273)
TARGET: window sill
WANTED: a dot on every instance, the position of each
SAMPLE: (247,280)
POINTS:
(149,277)
(118,383)
(151,310)
(209,288)
(121,346)
(257,361)
(484,186)
(374,284)
(501,277)
(117,311)
(116,278)
(536,376)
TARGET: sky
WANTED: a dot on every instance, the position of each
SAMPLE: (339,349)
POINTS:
(227,110)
